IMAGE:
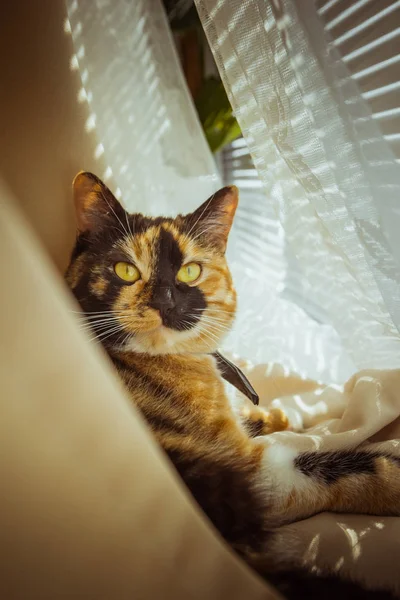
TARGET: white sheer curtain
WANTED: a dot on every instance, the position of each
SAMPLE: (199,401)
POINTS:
(312,250)
(326,170)
(145,121)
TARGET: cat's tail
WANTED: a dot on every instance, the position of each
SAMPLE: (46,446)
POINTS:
(356,481)
(301,484)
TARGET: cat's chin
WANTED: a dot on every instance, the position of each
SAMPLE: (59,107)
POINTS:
(162,340)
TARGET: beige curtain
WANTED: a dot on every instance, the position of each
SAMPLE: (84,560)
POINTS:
(89,508)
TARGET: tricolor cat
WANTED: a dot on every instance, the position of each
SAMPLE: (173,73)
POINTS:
(158,294)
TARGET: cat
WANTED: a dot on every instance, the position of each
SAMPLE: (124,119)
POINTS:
(158,294)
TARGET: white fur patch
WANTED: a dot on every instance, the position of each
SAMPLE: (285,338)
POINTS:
(278,462)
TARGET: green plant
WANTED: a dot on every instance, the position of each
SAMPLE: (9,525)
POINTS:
(216,115)
(211,101)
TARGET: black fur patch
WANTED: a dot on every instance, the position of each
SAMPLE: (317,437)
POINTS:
(254,428)
(80,246)
(180,305)
(331,466)
(224,490)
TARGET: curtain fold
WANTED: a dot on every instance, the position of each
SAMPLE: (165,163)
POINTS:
(319,155)
(146,124)
(90,506)
(313,250)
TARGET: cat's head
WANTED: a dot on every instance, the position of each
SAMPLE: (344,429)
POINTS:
(153,285)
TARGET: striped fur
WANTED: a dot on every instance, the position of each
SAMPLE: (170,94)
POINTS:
(246,485)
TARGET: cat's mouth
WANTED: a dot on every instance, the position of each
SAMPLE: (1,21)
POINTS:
(159,339)
(161,328)
(153,323)
(155,332)
(173,320)
(150,326)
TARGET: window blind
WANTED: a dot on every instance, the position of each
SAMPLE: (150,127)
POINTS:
(259,235)
(367,35)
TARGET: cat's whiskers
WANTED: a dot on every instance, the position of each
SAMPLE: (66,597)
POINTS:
(189,326)
(100,325)
(87,322)
(218,323)
(200,234)
(112,315)
(101,320)
(216,339)
(217,330)
(202,231)
(209,340)
(97,327)
(106,334)
(211,309)
(128,224)
(207,204)
(217,320)
(211,335)
(105,314)
(89,314)
(214,328)
(96,340)
(125,232)
(212,343)
(98,330)
(83,312)
(128,335)
(227,319)
(118,342)
(88,319)
(85,317)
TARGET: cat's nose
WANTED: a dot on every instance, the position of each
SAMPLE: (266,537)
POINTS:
(163,300)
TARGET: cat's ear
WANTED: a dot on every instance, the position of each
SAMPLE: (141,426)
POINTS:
(95,206)
(212,221)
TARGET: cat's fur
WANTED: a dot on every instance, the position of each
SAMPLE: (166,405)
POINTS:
(159,333)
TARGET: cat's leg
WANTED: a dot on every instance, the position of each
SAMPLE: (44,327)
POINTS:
(350,481)
(258,421)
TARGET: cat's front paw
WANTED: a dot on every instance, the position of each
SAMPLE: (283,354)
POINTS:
(276,420)
(263,422)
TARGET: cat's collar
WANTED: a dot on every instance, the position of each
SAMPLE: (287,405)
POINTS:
(233,375)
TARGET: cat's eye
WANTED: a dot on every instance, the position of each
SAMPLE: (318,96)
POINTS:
(189,273)
(127,272)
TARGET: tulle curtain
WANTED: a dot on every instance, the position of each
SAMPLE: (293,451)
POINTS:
(328,175)
(141,110)
(313,246)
